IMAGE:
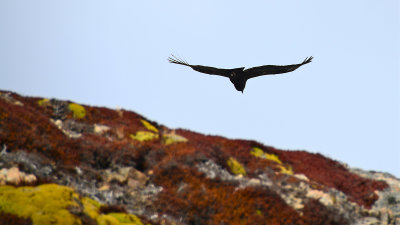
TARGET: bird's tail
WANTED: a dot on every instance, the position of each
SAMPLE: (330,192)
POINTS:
(177,60)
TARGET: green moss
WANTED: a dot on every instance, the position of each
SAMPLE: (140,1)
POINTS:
(78,111)
(149,126)
(144,136)
(236,167)
(44,204)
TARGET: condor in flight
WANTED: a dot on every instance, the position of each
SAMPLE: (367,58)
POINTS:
(239,76)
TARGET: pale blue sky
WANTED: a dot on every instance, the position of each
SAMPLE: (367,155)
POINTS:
(345,104)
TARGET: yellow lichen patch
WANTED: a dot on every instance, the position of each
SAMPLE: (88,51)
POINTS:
(49,204)
(171,138)
(124,218)
(118,219)
(258,152)
(107,220)
(149,126)
(78,111)
(236,167)
(273,157)
(44,102)
(44,204)
(144,136)
(91,207)
(287,170)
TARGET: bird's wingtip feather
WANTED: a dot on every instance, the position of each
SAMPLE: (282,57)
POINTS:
(177,60)
(308,60)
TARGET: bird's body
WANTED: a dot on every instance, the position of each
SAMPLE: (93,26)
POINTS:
(239,76)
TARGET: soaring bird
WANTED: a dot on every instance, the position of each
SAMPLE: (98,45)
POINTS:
(239,76)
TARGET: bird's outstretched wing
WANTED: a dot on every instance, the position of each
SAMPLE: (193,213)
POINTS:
(272,69)
(199,68)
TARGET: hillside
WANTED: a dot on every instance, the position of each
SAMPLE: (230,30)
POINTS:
(66,163)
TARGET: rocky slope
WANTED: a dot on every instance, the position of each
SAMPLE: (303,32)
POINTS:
(65,163)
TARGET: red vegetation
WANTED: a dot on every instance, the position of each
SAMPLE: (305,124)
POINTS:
(332,174)
(186,193)
(190,195)
(316,213)
(10,219)
(105,209)
(316,167)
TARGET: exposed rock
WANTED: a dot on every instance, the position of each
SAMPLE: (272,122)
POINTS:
(171,137)
(126,175)
(60,109)
(15,177)
(100,129)
(8,98)
(386,210)
(70,133)
(30,162)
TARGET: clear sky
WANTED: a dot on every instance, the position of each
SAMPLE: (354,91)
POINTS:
(345,104)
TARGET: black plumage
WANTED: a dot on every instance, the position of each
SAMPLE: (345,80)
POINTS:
(239,76)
